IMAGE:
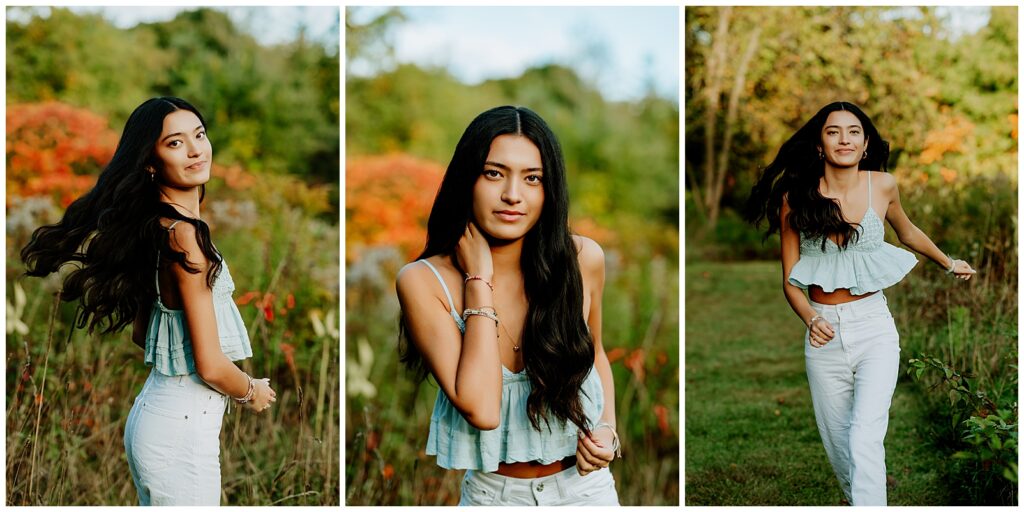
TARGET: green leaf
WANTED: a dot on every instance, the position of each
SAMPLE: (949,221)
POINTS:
(964,455)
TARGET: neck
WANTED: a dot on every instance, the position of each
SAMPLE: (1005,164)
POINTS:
(839,180)
(185,201)
(507,259)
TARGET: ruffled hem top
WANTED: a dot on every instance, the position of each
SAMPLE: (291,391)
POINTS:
(859,271)
(169,345)
(867,264)
(459,445)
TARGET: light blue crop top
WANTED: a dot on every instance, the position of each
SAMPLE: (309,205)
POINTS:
(459,445)
(168,343)
(868,263)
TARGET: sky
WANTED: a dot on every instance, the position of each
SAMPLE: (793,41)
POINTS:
(622,50)
(269,25)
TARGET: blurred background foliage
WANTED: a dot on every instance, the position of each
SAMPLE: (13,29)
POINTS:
(945,98)
(269,107)
(272,205)
(622,157)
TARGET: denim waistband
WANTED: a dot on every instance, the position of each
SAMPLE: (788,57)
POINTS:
(868,305)
(562,481)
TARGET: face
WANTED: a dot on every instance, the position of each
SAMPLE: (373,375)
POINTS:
(183,151)
(842,139)
(509,193)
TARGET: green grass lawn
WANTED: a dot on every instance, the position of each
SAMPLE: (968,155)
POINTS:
(750,432)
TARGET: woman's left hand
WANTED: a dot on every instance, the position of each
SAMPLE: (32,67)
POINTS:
(963,270)
(594,452)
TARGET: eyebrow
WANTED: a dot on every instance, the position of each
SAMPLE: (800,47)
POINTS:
(507,168)
(850,126)
(175,134)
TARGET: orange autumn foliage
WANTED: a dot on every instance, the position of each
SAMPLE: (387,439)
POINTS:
(387,202)
(55,149)
(947,139)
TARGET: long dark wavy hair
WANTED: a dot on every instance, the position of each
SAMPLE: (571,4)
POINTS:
(796,173)
(113,232)
(558,351)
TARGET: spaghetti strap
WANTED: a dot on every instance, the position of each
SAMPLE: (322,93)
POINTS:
(451,303)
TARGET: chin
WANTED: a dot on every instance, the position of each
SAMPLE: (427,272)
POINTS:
(504,233)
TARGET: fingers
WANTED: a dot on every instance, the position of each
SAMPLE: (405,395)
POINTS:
(600,455)
(583,465)
(820,333)
(590,456)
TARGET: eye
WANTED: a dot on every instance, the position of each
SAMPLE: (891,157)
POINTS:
(831,132)
(491,174)
(201,135)
(535,179)
(174,143)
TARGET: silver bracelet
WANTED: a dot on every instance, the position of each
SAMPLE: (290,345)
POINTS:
(616,446)
(813,318)
(468,312)
(952,264)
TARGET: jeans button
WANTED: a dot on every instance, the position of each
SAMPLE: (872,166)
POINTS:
(540,487)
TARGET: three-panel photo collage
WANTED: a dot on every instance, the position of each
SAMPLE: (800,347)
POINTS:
(579,255)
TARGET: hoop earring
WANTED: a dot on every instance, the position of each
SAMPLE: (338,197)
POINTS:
(865,155)
(821,156)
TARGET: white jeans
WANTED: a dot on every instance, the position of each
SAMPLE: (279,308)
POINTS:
(852,379)
(564,488)
(172,440)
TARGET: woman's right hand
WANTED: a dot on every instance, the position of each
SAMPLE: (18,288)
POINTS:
(821,332)
(474,253)
(263,395)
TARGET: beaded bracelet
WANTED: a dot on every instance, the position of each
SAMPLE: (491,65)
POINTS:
(479,278)
(616,446)
(248,395)
(952,264)
(468,312)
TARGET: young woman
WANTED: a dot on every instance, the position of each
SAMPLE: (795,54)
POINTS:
(827,193)
(503,308)
(142,254)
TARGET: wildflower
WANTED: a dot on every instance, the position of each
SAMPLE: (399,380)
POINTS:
(15,310)
(358,371)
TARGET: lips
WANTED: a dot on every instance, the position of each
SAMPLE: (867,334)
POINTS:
(196,166)
(509,215)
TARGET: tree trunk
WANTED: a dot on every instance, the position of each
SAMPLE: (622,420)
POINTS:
(712,93)
(718,187)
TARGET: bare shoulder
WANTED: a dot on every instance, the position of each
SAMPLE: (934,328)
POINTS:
(884,180)
(416,279)
(589,253)
(182,237)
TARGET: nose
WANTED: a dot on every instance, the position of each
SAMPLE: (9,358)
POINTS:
(510,194)
(843,137)
(194,149)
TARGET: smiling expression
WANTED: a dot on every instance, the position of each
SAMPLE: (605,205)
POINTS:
(842,139)
(508,196)
(183,152)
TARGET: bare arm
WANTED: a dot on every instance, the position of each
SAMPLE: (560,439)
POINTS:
(596,451)
(592,267)
(912,236)
(821,331)
(197,301)
(790,240)
(466,367)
